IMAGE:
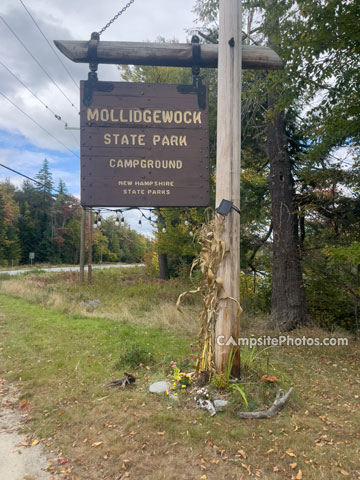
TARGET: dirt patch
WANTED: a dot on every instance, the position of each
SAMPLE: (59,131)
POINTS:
(21,458)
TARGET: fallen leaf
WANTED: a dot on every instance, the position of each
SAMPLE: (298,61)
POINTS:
(269,451)
(161,433)
(24,405)
(63,460)
(269,378)
(203,477)
(242,453)
(34,442)
(276,469)
(24,444)
(290,453)
(293,465)
(344,472)
(299,475)
(97,444)
(61,412)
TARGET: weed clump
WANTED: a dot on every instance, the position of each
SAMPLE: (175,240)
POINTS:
(135,357)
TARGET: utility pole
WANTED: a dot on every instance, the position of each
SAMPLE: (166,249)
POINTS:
(91,221)
(228,157)
(82,245)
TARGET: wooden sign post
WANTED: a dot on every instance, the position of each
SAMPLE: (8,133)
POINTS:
(230,56)
(228,174)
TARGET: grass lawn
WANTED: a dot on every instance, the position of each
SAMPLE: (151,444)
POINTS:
(60,353)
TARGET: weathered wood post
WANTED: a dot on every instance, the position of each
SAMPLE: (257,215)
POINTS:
(82,245)
(228,173)
(90,246)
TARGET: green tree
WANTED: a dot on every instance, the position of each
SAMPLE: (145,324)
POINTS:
(10,250)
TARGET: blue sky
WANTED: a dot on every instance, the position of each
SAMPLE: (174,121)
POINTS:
(23,144)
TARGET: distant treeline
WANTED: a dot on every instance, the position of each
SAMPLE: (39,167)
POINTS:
(46,221)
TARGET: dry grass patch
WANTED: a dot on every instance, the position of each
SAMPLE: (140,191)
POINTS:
(61,363)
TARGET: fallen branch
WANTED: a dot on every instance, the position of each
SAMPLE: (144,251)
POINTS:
(121,382)
(275,408)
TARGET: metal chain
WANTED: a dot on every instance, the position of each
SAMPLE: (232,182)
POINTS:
(116,17)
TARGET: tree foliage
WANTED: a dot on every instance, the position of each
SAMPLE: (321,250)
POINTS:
(37,219)
(318,93)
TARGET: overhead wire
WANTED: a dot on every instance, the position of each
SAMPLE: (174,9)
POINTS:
(38,124)
(58,117)
(52,48)
(38,63)
(35,181)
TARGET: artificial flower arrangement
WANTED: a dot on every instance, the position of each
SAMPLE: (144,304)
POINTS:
(180,380)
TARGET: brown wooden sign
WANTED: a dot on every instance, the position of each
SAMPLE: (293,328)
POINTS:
(143,145)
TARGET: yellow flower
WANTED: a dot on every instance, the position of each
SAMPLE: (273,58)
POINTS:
(175,394)
(183,386)
(178,379)
(174,384)
(167,392)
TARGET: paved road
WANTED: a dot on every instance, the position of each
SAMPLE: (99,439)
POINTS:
(69,269)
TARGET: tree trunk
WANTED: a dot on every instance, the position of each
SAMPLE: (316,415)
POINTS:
(288,303)
(163,266)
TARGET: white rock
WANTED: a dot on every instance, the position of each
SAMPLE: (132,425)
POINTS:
(159,387)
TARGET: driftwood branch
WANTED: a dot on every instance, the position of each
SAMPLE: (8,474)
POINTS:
(123,382)
(275,408)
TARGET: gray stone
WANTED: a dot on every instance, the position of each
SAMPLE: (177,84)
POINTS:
(90,305)
(159,387)
(220,405)
(173,398)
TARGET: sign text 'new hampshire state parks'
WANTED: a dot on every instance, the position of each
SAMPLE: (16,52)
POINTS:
(144,145)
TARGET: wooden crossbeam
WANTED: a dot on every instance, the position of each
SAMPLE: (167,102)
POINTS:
(165,54)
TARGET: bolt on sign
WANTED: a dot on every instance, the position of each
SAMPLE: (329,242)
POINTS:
(144,145)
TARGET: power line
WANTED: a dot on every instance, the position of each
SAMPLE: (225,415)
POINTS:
(39,64)
(58,117)
(35,181)
(36,123)
(52,48)
(56,190)
(22,174)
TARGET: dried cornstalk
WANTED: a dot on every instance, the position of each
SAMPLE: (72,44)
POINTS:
(212,253)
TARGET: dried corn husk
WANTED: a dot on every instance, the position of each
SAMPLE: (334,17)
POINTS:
(213,251)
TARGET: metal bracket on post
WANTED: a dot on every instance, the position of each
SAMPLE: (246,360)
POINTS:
(197,85)
(92,83)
